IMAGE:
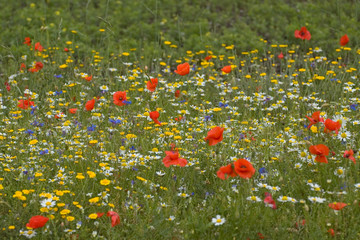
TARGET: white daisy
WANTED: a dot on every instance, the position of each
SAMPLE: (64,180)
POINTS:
(218,220)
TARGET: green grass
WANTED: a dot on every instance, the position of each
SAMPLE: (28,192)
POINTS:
(261,104)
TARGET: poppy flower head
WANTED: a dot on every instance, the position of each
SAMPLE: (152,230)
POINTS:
(151,84)
(315,118)
(207,58)
(73,110)
(226,172)
(38,47)
(27,41)
(119,98)
(183,69)
(321,151)
(331,125)
(303,34)
(37,221)
(350,155)
(172,158)
(115,218)
(215,136)
(154,116)
(226,69)
(177,93)
(25,104)
(344,40)
(90,105)
(269,201)
(280,56)
(244,168)
(337,205)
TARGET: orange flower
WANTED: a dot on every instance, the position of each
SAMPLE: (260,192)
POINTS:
(344,40)
(154,116)
(72,110)
(25,104)
(183,69)
(215,135)
(330,125)
(37,221)
(151,84)
(172,158)
(321,151)
(226,69)
(27,41)
(244,168)
(315,118)
(38,66)
(38,47)
(226,172)
(119,98)
(337,205)
(90,105)
(207,58)
(350,155)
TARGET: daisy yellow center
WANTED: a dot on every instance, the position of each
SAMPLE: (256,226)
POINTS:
(284,198)
(253,198)
(218,220)
(48,203)
(343,135)
(340,171)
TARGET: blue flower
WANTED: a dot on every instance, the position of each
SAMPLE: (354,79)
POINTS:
(30,132)
(353,107)
(46,151)
(262,170)
(223,105)
(91,128)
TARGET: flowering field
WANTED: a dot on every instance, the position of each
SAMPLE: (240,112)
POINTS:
(215,143)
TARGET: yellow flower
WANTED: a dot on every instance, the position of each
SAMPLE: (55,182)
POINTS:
(70,218)
(93,216)
(105,182)
(314,129)
(33,142)
(65,211)
(94,200)
(91,174)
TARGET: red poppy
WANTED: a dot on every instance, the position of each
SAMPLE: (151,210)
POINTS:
(22,66)
(151,84)
(154,116)
(66,49)
(244,168)
(179,118)
(226,172)
(119,98)
(90,105)
(280,56)
(215,135)
(344,40)
(337,205)
(100,214)
(330,125)
(88,78)
(331,231)
(177,93)
(321,151)
(269,201)
(172,158)
(315,118)
(350,155)
(207,58)
(37,221)
(8,87)
(38,47)
(183,69)
(25,104)
(115,218)
(38,66)
(303,34)
(27,41)
(226,69)
(73,110)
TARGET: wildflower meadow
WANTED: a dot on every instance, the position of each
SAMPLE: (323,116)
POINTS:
(106,136)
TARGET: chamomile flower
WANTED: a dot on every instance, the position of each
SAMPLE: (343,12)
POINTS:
(218,220)
(344,136)
(340,172)
(316,199)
